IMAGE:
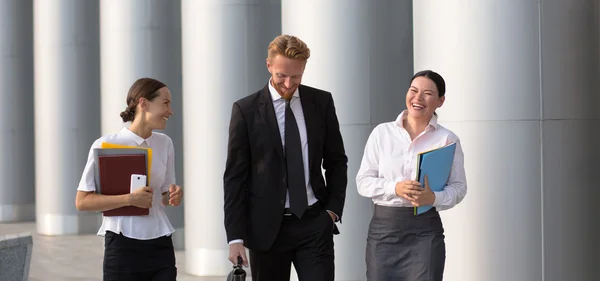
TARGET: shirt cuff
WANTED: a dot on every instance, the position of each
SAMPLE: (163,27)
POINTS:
(87,188)
(390,189)
(236,241)
(439,198)
(337,218)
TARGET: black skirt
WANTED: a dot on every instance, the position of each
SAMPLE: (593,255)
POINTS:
(405,247)
(132,259)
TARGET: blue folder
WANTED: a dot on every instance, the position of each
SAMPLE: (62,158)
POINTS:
(436,164)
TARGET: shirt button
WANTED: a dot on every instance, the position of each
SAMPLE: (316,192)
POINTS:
(282,202)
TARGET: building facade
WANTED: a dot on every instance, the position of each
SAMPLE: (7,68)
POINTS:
(522,90)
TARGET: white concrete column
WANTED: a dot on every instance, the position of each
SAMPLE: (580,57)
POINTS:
(521,94)
(67,98)
(17,193)
(224,51)
(361,51)
(142,38)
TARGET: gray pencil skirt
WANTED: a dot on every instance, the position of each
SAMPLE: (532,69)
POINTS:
(405,247)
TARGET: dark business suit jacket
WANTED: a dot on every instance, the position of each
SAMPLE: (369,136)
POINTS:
(255,174)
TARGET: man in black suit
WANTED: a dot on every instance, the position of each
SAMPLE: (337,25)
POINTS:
(277,203)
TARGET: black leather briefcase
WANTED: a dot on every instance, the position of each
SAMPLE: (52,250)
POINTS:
(238,273)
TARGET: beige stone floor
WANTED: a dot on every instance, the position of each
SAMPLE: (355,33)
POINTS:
(75,258)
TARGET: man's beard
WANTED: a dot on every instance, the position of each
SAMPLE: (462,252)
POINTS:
(284,95)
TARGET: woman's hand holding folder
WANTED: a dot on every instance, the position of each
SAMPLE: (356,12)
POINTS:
(408,189)
(415,193)
(427,197)
(141,197)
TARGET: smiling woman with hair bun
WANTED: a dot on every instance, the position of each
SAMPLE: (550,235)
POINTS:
(138,247)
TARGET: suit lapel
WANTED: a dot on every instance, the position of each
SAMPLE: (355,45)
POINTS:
(310,115)
(267,112)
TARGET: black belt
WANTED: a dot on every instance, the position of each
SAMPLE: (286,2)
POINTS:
(287,212)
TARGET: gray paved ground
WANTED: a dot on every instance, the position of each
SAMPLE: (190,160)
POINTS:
(70,258)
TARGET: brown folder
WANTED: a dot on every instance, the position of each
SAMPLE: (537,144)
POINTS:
(115,179)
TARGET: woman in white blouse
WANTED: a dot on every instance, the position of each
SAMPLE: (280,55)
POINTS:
(401,245)
(138,247)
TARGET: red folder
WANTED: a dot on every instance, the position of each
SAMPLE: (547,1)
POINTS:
(115,179)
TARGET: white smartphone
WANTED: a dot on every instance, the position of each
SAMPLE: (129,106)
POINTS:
(137,182)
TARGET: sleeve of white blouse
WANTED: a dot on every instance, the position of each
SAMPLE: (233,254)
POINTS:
(368,181)
(170,173)
(87,182)
(456,189)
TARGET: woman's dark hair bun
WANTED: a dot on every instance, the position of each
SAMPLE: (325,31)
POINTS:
(128,115)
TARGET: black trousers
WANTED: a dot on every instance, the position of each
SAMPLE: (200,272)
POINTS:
(405,247)
(143,260)
(306,242)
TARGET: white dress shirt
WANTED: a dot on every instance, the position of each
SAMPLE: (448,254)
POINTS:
(162,175)
(296,106)
(391,157)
